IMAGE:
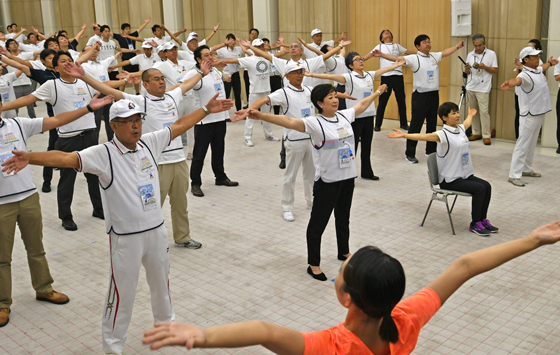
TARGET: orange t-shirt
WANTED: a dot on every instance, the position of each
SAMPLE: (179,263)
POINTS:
(410,316)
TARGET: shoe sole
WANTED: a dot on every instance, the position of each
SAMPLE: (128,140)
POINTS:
(42,299)
(479,234)
(71,229)
(187,247)
(514,184)
(411,162)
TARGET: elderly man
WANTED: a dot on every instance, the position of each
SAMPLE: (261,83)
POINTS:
(19,203)
(534,103)
(482,63)
(130,186)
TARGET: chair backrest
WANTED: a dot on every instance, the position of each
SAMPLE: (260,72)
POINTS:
(433,173)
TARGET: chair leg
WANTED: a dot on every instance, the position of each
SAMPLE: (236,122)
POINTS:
(427,210)
(453,206)
(449,214)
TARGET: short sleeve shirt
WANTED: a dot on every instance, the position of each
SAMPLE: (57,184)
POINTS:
(425,70)
(259,73)
(393,49)
(126,43)
(360,87)
(7,92)
(145,62)
(236,53)
(295,103)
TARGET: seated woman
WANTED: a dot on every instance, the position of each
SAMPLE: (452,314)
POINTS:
(370,285)
(455,166)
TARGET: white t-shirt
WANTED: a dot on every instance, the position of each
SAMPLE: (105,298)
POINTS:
(557,70)
(225,52)
(91,41)
(453,154)
(107,50)
(130,190)
(14,133)
(310,54)
(64,97)
(20,38)
(99,70)
(360,87)
(425,71)
(480,80)
(37,64)
(205,89)
(23,79)
(333,140)
(7,92)
(162,112)
(145,62)
(296,104)
(187,55)
(32,47)
(390,48)
(172,72)
(314,65)
(259,73)
(161,41)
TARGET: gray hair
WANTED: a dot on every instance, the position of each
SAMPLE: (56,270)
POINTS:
(479,36)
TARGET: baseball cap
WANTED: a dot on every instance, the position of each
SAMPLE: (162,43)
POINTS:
(194,34)
(528,51)
(257,42)
(315,32)
(191,37)
(145,44)
(292,66)
(124,108)
(159,49)
(168,45)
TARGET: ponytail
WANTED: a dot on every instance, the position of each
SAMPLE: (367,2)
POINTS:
(388,330)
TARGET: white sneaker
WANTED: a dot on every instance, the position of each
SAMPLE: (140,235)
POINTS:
(249,143)
(289,216)
(272,138)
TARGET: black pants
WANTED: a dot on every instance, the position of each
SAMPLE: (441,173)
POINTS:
(481,191)
(236,85)
(102,114)
(327,197)
(341,102)
(558,119)
(65,191)
(213,135)
(396,83)
(275,84)
(424,106)
(517,116)
(246,80)
(363,132)
(47,170)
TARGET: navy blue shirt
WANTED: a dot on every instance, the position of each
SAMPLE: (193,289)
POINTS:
(126,43)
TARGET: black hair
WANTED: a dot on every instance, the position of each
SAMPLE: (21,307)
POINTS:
(125,25)
(266,40)
(146,73)
(446,108)
(46,52)
(155,27)
(230,36)
(376,282)
(57,56)
(61,33)
(381,35)
(49,40)
(102,28)
(325,49)
(198,54)
(254,29)
(10,26)
(8,42)
(59,36)
(349,60)
(31,34)
(319,93)
(537,43)
(98,26)
(419,39)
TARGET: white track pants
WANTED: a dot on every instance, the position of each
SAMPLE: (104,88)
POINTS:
(298,153)
(249,122)
(522,158)
(128,252)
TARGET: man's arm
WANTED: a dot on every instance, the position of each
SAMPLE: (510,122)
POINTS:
(221,45)
(336,77)
(77,71)
(19,33)
(511,82)
(473,264)
(551,62)
(212,33)
(242,114)
(67,117)
(41,36)
(173,35)
(78,35)
(399,63)
(146,21)
(19,103)
(377,53)
(118,65)
(15,63)
(247,44)
(451,50)
(137,39)
(54,158)
(188,84)
(186,122)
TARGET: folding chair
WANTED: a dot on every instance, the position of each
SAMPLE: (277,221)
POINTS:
(439,194)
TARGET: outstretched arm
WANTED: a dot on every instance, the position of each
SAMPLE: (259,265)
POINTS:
(470,265)
(365,103)
(245,43)
(77,71)
(511,82)
(242,114)
(275,338)
(468,121)
(19,103)
(7,59)
(428,137)
(377,53)
(188,84)
(336,49)
(173,35)
(336,77)
(399,63)
(212,33)
(146,21)
(280,120)
(69,116)
(137,39)
(186,122)
(54,158)
(78,35)
(451,50)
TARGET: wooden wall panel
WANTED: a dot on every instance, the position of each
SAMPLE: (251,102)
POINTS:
(26,13)
(135,12)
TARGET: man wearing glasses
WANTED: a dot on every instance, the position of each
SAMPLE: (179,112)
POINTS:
(162,110)
(425,95)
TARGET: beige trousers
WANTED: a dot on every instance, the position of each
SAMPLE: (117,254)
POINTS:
(479,101)
(174,181)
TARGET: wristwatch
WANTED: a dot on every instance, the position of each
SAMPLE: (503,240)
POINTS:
(205,110)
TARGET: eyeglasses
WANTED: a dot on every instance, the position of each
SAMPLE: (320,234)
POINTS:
(426,42)
(137,121)
(358,60)
(157,78)
(294,46)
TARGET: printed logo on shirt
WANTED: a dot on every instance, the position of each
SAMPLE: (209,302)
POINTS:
(434,61)
(217,87)
(262,66)
(78,90)
(79,104)
(5,97)
(305,112)
(102,78)
(146,163)
(10,138)
(170,107)
(342,133)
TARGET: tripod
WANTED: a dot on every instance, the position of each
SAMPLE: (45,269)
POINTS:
(463,98)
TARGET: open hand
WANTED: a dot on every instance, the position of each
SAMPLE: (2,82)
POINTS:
(396,134)
(552,61)
(345,95)
(547,234)
(174,333)
(472,112)
(97,103)
(345,43)
(216,27)
(215,105)
(16,163)
(376,53)
(239,115)
(74,69)
(400,61)
(243,42)
(505,86)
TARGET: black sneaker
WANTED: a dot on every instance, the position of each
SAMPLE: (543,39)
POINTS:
(480,229)
(46,187)
(411,160)
(377,129)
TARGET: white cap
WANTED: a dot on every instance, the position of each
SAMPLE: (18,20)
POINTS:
(528,51)
(191,37)
(292,66)
(194,34)
(315,32)
(124,108)
(168,45)
(145,44)
(159,49)
(257,42)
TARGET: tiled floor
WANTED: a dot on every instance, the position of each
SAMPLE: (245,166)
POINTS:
(252,264)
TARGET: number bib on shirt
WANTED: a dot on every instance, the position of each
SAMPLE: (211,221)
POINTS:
(3,158)
(130,46)
(148,198)
(430,74)
(5,97)
(305,112)
(465,160)
(217,87)
(345,156)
